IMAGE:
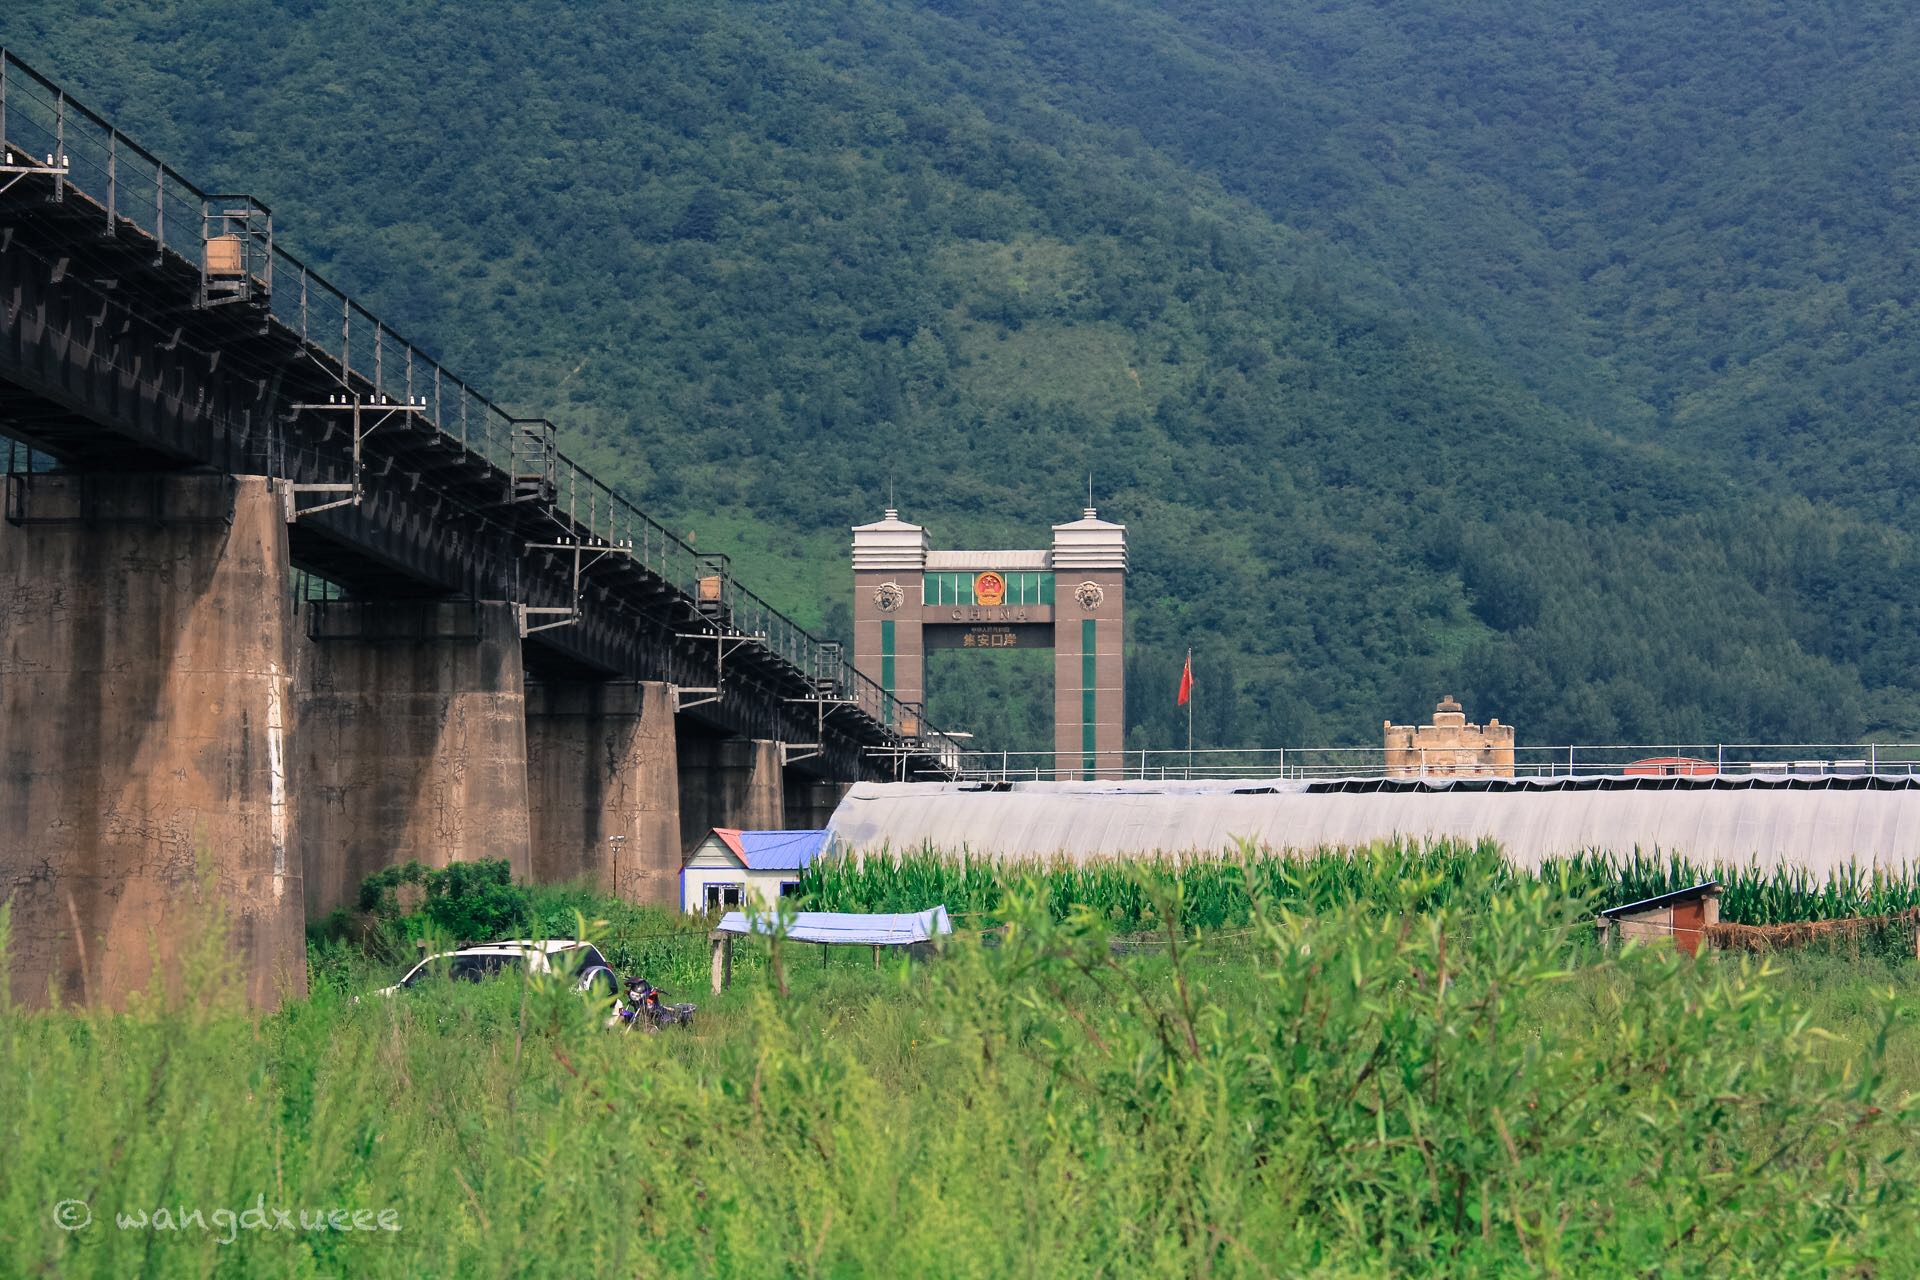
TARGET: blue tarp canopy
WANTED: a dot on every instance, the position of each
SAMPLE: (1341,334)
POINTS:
(843,926)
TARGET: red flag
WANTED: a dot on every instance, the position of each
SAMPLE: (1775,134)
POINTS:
(1186,682)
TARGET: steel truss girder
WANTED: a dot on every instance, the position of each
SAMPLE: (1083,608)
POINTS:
(106,384)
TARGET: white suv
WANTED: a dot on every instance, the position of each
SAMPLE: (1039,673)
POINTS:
(580,961)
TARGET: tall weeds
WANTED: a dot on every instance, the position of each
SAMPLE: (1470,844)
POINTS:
(1419,1073)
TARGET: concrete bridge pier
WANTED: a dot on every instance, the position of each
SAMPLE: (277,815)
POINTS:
(413,741)
(603,787)
(729,782)
(146,707)
(810,801)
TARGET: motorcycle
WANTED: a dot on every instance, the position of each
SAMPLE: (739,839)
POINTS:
(643,1005)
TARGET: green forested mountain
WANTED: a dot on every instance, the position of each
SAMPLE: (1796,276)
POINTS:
(1555,353)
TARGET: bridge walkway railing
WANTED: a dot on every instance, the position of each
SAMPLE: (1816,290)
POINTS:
(1329,763)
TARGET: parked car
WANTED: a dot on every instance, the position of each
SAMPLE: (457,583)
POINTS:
(579,961)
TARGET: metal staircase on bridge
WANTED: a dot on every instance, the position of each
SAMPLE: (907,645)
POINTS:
(534,473)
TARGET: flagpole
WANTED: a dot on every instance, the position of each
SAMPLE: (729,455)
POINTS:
(1189,719)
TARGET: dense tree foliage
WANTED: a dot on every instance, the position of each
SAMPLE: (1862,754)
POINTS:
(1547,352)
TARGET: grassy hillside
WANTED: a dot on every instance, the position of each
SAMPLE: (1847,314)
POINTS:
(1412,365)
(1690,220)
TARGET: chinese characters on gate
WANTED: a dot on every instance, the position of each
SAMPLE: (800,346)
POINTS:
(988,640)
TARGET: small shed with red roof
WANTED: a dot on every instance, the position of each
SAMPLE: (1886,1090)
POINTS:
(733,869)
(1682,917)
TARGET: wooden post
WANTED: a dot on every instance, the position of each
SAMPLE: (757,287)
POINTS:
(876,955)
(722,960)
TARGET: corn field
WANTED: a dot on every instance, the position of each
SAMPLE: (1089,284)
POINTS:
(1753,895)
(1407,875)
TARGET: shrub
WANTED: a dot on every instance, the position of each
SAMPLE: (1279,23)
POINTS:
(476,901)
(379,892)
(464,901)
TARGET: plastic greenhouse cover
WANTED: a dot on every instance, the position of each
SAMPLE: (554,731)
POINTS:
(1871,821)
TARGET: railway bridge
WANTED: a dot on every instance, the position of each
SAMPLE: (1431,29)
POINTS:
(283,602)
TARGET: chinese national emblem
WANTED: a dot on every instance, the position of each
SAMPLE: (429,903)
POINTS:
(989,589)
(1089,594)
(889,596)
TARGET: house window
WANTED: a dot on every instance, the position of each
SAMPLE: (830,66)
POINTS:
(789,887)
(720,896)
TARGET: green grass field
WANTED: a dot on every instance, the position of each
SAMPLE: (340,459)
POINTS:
(1421,1067)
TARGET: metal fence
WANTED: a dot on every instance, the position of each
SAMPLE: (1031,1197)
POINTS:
(1586,760)
(137,193)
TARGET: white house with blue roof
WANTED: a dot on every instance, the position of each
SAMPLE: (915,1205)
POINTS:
(731,870)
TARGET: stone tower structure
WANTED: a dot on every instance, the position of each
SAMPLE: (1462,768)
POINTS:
(1449,747)
(1070,597)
